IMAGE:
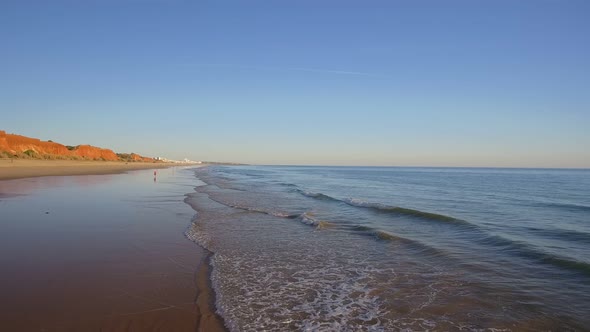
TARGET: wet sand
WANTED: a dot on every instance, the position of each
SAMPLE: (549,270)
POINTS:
(102,253)
(23,168)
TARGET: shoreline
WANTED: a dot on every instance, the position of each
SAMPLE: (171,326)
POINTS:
(11,169)
(208,319)
(146,280)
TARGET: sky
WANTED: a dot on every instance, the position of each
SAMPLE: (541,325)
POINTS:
(403,83)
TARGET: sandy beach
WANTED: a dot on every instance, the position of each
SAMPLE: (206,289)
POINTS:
(24,168)
(100,252)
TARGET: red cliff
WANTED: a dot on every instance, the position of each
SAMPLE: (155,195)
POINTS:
(91,152)
(17,145)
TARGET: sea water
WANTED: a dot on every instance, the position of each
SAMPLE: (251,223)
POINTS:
(388,249)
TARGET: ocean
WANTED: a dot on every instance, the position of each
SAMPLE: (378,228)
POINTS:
(395,248)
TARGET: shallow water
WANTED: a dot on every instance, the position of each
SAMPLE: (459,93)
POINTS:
(379,249)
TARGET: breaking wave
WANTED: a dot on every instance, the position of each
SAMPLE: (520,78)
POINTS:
(382,208)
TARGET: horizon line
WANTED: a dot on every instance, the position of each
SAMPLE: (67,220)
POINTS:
(413,166)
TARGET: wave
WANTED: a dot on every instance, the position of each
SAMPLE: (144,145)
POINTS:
(387,236)
(566,206)
(286,184)
(562,234)
(382,208)
(508,246)
(527,251)
(279,214)
(319,196)
(578,266)
(306,218)
(398,210)
(381,235)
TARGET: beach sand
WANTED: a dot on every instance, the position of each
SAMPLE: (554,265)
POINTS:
(101,253)
(24,168)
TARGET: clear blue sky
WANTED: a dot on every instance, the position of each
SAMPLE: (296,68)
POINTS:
(449,83)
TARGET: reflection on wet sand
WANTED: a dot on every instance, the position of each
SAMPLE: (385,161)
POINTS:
(101,260)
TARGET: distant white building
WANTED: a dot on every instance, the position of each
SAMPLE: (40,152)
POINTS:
(184,161)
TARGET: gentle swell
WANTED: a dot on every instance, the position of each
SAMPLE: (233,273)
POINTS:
(524,250)
(399,210)
(509,246)
(382,208)
(319,196)
(567,206)
(382,235)
(306,218)
(506,245)
(562,234)
(257,210)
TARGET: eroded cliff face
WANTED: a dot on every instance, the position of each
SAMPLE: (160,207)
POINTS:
(91,152)
(16,144)
(136,157)
(3,143)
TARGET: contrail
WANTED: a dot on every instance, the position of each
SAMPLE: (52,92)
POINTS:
(311,70)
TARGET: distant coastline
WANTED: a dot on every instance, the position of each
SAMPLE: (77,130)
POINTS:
(23,157)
